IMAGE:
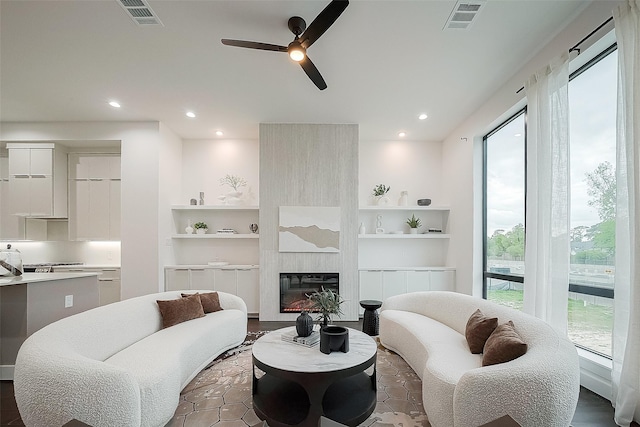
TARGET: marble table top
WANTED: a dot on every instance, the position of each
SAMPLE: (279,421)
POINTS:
(271,350)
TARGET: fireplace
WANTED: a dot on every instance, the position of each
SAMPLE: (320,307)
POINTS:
(294,288)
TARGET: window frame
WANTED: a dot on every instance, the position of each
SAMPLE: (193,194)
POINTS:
(577,288)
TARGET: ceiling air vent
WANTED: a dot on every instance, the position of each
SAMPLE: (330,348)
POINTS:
(140,12)
(463,14)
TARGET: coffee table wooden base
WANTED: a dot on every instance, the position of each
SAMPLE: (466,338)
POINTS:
(286,399)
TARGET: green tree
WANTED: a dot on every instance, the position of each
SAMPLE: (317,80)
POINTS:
(515,241)
(602,189)
(604,236)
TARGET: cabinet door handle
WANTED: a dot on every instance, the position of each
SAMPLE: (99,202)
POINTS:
(38,176)
(109,269)
(181,269)
(96,179)
(105,280)
(197,269)
(20,176)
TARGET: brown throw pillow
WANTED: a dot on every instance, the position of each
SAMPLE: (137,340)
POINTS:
(210,301)
(479,328)
(180,310)
(503,345)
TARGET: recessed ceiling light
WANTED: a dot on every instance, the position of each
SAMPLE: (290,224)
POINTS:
(219,133)
(422,116)
(114,104)
(191,114)
(402,134)
(517,135)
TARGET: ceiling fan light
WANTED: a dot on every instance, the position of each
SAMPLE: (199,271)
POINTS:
(296,51)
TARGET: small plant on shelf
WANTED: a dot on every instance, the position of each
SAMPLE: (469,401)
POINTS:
(327,303)
(380,190)
(233,181)
(200,227)
(414,222)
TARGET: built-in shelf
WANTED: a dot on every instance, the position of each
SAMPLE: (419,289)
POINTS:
(215,236)
(409,268)
(405,236)
(215,207)
(404,208)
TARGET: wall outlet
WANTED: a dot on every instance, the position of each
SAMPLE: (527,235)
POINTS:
(109,255)
(68,301)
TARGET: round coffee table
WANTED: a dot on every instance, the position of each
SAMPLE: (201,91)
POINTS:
(300,384)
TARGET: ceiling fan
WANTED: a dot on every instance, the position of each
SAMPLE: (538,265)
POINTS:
(297,49)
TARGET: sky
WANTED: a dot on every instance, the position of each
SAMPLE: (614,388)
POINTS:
(592,109)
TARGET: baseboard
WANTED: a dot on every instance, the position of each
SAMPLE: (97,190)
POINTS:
(6,372)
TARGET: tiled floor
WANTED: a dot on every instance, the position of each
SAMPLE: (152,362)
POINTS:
(592,410)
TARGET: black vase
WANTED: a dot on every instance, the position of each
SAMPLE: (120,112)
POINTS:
(334,338)
(304,324)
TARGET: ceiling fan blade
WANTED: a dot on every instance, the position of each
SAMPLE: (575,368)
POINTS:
(313,73)
(323,21)
(254,45)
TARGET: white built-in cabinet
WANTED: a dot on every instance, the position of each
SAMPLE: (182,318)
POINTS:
(393,262)
(11,226)
(239,249)
(37,180)
(94,196)
(240,280)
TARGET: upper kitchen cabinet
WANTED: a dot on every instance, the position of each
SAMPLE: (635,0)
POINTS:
(11,226)
(37,180)
(94,196)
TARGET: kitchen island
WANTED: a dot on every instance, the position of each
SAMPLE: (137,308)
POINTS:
(33,300)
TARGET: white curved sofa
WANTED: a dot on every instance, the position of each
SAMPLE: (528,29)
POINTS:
(115,366)
(537,389)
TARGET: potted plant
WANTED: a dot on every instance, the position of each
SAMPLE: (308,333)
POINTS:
(327,303)
(201,227)
(380,193)
(414,223)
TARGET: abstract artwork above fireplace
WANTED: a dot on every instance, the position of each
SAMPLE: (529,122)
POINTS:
(309,229)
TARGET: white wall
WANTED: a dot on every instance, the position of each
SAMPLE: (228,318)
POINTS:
(140,148)
(169,193)
(461,155)
(415,166)
(206,161)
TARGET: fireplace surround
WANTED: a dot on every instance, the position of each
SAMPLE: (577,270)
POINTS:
(294,288)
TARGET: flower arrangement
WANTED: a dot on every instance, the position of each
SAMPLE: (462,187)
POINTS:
(200,226)
(233,181)
(380,190)
(327,303)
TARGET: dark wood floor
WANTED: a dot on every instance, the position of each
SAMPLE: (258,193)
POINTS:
(592,410)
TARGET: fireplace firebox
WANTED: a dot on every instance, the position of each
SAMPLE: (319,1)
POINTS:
(294,288)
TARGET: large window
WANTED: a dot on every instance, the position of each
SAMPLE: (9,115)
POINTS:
(592,104)
(504,218)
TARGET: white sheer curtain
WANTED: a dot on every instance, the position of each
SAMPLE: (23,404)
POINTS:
(626,324)
(546,275)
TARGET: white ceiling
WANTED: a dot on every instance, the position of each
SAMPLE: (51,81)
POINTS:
(384,63)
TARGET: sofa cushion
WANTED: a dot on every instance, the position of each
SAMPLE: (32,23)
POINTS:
(210,301)
(479,328)
(180,310)
(503,345)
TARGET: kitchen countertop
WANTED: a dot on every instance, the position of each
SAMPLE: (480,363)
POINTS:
(41,277)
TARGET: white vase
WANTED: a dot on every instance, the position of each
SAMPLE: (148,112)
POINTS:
(201,230)
(382,201)
(404,198)
(362,229)
(189,228)
(413,231)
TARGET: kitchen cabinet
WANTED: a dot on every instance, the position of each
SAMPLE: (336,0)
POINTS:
(240,280)
(11,226)
(109,282)
(37,180)
(94,196)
